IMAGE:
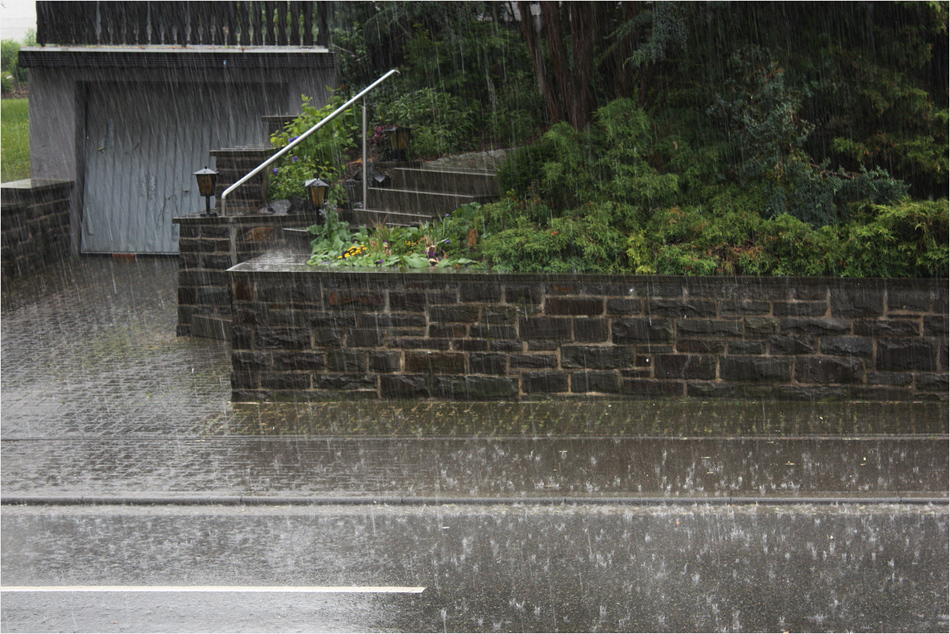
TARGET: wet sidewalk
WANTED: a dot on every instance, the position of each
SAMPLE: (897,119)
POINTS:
(100,400)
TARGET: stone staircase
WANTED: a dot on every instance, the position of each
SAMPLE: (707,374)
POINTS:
(419,194)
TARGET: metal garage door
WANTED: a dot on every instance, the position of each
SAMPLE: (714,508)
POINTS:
(143,142)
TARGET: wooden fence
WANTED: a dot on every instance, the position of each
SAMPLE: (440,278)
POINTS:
(181,23)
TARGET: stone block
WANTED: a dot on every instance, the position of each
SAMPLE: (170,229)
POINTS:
(288,293)
(346,361)
(478,331)
(936,326)
(478,388)
(817,326)
(442,297)
(355,300)
(591,330)
(388,320)
(328,337)
(890,378)
(857,302)
(755,369)
(913,300)
(344,382)
(283,338)
(739,307)
(684,366)
(215,231)
(448,331)
(285,380)
(365,338)
(634,330)
(488,363)
(544,382)
(549,328)
(598,357)
(470,345)
(245,380)
(785,344)
(531,361)
(503,345)
(625,306)
(645,388)
(709,328)
(887,328)
(242,337)
(761,326)
(681,307)
(300,361)
(523,294)
(933,383)
(799,309)
(435,362)
(906,355)
(847,346)
(701,346)
(459,314)
(403,386)
(385,361)
(248,361)
(414,301)
(589,306)
(480,292)
(583,382)
(499,315)
(829,370)
(754,347)
(419,343)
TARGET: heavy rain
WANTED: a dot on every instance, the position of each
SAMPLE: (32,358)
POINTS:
(590,317)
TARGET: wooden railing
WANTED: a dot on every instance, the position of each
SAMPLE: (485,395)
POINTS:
(181,23)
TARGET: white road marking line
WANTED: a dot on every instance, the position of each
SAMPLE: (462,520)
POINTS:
(245,589)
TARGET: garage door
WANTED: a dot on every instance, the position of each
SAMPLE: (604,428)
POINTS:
(143,143)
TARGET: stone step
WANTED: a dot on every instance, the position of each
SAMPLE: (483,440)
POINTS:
(416,202)
(372,217)
(479,184)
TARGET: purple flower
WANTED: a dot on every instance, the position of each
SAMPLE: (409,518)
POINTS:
(294,159)
(276,170)
(447,241)
(293,138)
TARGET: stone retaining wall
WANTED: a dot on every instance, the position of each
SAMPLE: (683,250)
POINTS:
(207,248)
(35,219)
(304,334)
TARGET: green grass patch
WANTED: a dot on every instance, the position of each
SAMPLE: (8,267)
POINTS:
(14,139)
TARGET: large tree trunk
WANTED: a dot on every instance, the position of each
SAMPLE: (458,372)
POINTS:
(537,60)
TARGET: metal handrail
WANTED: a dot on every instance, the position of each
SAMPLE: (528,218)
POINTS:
(362,94)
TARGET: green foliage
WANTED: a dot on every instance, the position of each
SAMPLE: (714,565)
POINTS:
(13,74)
(437,244)
(321,155)
(441,123)
(15,139)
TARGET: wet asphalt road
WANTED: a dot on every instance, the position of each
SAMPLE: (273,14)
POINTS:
(528,568)
(102,403)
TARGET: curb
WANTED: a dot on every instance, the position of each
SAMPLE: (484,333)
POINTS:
(470,501)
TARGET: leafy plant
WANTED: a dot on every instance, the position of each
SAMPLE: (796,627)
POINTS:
(321,155)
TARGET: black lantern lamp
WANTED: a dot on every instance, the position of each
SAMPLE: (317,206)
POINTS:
(207,179)
(398,141)
(318,192)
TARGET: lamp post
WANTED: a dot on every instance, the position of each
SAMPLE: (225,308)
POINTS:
(318,192)
(398,141)
(207,179)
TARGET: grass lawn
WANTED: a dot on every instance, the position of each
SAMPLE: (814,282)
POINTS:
(14,139)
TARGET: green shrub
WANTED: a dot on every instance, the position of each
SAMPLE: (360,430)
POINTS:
(321,155)
(441,123)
